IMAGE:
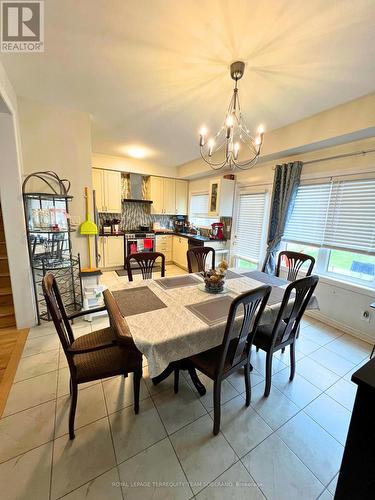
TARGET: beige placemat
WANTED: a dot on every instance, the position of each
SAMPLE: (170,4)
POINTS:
(267,279)
(178,281)
(212,312)
(137,301)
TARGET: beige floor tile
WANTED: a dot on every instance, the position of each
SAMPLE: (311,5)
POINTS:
(242,426)
(321,334)
(276,409)
(237,379)
(332,416)
(27,477)
(343,392)
(38,364)
(119,393)
(299,390)
(258,360)
(285,356)
(133,433)
(41,344)
(316,374)
(333,484)
(31,392)
(26,430)
(326,495)
(228,391)
(165,385)
(235,483)
(63,382)
(354,350)
(46,328)
(203,456)
(332,361)
(77,461)
(317,449)
(107,486)
(90,407)
(305,345)
(157,474)
(177,410)
(280,473)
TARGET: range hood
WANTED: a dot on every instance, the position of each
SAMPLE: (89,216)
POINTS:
(136,191)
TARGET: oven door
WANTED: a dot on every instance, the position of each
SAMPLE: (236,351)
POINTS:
(138,245)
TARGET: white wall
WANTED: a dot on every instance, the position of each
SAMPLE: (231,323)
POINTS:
(122,164)
(12,206)
(60,140)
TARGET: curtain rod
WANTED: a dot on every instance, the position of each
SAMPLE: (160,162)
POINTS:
(336,157)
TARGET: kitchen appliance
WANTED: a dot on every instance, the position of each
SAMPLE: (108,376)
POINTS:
(217,231)
(115,226)
(107,227)
(136,241)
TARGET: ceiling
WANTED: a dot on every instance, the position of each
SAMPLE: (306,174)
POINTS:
(151,72)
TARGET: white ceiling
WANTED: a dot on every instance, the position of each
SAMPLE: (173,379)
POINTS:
(152,71)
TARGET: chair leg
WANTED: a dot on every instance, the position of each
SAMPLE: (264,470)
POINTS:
(136,387)
(268,373)
(292,360)
(70,386)
(176,379)
(283,350)
(257,349)
(246,369)
(73,407)
(217,409)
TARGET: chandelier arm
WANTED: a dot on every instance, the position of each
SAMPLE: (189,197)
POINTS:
(213,164)
(249,164)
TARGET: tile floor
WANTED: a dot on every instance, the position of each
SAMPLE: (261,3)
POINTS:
(288,445)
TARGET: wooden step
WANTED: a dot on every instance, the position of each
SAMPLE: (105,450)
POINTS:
(5,280)
(6,300)
(6,311)
(5,291)
(7,321)
(4,265)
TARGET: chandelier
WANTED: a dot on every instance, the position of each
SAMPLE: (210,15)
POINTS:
(233,146)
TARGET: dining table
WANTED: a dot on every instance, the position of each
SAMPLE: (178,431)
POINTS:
(172,318)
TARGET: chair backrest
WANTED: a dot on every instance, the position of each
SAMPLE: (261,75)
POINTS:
(57,311)
(240,330)
(296,298)
(146,263)
(294,263)
(118,322)
(197,257)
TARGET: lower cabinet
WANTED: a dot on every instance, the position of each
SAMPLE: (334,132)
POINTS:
(111,250)
(164,245)
(180,247)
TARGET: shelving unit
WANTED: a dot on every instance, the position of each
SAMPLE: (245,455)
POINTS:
(48,235)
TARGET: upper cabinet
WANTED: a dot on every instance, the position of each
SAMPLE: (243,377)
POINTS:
(169,196)
(221,197)
(107,185)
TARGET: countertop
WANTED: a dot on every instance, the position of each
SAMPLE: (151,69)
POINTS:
(182,235)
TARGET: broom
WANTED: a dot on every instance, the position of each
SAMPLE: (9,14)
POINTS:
(88,228)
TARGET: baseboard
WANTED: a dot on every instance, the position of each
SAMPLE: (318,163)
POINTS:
(10,372)
(341,326)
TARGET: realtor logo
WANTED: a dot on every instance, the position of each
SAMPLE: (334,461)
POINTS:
(22,26)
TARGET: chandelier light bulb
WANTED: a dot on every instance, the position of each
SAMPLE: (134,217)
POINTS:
(261,129)
(258,141)
(236,150)
(211,144)
(203,132)
(229,122)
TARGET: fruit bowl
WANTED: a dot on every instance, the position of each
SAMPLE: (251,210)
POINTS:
(215,278)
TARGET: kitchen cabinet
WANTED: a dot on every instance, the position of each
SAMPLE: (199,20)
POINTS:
(107,185)
(221,197)
(111,250)
(164,245)
(181,197)
(180,247)
(169,196)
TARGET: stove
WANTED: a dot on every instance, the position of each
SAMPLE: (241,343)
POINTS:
(137,241)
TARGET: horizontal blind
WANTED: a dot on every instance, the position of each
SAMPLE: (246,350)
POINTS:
(308,219)
(351,216)
(249,225)
(199,205)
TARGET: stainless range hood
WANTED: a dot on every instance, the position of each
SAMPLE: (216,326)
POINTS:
(136,191)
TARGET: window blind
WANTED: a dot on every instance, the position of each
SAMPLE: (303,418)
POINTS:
(199,205)
(249,226)
(337,214)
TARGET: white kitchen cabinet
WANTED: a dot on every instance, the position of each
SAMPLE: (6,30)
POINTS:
(169,196)
(181,197)
(111,250)
(221,197)
(107,185)
(180,247)
(164,245)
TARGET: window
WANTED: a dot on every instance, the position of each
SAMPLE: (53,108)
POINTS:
(199,211)
(247,243)
(335,223)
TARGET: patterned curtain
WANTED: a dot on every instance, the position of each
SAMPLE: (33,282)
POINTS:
(285,185)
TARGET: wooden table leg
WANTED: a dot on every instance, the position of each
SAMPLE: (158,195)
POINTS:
(181,365)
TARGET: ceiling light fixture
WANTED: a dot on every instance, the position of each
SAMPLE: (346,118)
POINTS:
(233,138)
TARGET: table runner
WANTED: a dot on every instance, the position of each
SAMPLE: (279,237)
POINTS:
(174,332)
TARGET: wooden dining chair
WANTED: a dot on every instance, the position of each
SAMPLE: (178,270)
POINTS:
(93,356)
(294,263)
(271,338)
(197,258)
(146,262)
(234,352)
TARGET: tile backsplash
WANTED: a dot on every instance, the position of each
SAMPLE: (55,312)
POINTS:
(134,215)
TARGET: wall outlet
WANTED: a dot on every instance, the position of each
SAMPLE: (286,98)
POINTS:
(366,316)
